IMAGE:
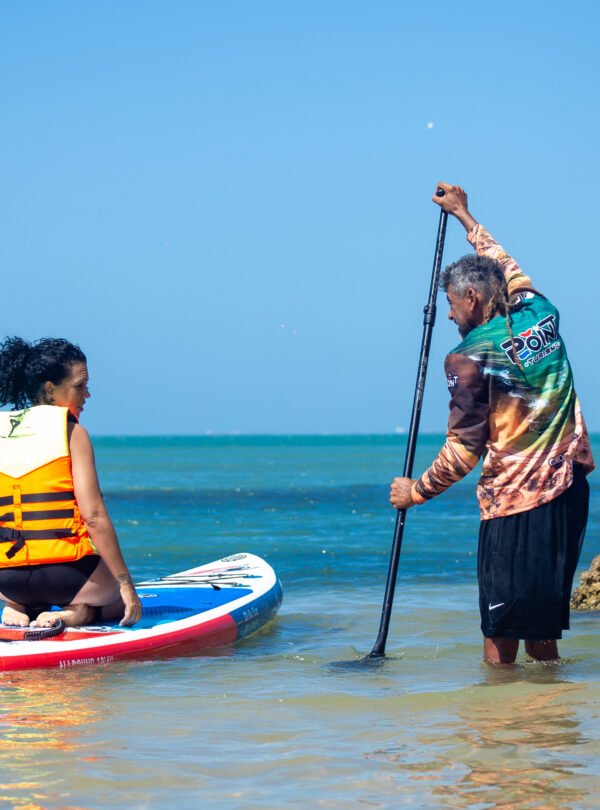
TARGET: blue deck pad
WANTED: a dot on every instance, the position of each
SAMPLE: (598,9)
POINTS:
(161,605)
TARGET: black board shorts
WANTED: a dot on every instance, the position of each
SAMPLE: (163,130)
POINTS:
(526,564)
(40,586)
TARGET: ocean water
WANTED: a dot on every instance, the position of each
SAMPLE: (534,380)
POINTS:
(291,718)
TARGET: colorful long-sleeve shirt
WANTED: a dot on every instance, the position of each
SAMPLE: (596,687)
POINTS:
(525,418)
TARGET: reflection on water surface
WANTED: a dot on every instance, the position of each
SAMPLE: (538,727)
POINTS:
(511,746)
(46,716)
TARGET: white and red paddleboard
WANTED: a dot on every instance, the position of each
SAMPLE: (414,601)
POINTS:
(207,607)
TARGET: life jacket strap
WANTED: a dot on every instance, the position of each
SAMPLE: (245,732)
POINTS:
(19,537)
(39,497)
(45,514)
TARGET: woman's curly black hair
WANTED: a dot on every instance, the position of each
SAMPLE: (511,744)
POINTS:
(25,367)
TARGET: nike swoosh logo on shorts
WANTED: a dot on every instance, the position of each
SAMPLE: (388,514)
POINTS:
(493,607)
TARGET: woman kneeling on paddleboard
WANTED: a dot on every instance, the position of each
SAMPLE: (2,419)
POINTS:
(57,543)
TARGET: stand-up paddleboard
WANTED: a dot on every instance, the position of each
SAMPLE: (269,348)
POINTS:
(207,607)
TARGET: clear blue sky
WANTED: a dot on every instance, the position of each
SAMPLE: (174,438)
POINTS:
(227,204)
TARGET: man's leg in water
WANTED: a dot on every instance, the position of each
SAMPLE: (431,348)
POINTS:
(543,650)
(500,650)
(100,591)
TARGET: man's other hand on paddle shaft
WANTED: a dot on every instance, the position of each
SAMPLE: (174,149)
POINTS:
(400,496)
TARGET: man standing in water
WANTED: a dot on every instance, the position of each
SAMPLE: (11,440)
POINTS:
(512,398)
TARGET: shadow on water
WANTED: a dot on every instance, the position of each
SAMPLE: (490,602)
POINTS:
(364,664)
(358,666)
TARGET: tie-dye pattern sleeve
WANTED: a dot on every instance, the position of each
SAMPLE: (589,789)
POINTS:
(467,429)
(485,245)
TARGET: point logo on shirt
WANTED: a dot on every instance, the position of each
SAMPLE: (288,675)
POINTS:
(534,343)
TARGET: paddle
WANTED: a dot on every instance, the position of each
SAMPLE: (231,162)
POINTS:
(429,311)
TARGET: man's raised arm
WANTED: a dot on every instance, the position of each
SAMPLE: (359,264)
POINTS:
(455,202)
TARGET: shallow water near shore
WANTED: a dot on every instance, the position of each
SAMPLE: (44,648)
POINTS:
(292,717)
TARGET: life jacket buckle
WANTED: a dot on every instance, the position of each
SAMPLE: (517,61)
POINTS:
(14,537)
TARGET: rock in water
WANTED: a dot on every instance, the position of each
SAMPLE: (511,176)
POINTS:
(587,596)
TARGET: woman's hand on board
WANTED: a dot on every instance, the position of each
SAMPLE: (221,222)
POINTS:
(131,601)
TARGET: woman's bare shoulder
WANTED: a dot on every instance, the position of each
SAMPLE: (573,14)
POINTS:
(79,438)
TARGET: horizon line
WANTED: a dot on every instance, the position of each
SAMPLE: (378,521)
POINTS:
(280,434)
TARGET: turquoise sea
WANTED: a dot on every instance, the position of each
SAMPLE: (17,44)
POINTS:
(278,721)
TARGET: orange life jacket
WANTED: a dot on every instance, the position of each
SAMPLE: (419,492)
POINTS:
(39,518)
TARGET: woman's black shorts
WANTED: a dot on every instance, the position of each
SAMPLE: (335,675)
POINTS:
(526,564)
(41,586)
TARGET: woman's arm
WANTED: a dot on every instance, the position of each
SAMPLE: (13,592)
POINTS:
(99,525)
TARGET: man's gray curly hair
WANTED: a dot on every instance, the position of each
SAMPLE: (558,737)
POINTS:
(487,277)
(480,272)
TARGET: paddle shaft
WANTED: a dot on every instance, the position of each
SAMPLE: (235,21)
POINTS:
(411,445)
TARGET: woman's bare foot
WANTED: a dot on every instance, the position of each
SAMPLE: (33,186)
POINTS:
(72,616)
(15,615)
